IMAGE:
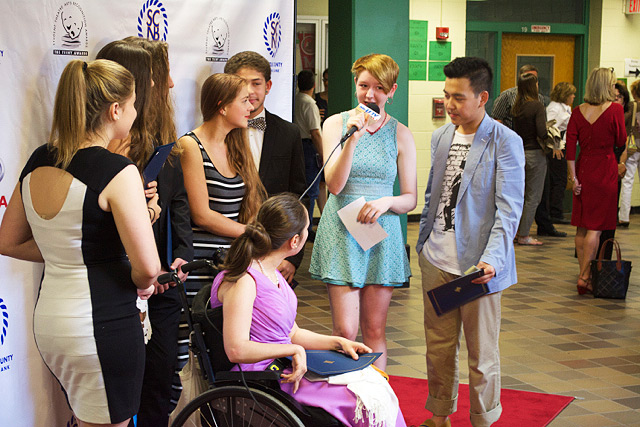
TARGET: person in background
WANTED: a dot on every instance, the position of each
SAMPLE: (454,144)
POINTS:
(622,98)
(530,122)
(275,143)
(174,241)
(597,125)
(81,210)
(559,109)
(322,101)
(503,105)
(138,145)
(259,311)
(476,188)
(360,283)
(629,161)
(543,217)
(307,117)
(322,98)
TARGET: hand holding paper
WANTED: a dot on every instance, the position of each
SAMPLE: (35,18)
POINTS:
(371,211)
(367,235)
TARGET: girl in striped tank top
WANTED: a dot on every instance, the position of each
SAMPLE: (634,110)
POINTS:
(221,179)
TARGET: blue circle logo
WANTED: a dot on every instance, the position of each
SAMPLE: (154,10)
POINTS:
(153,22)
(272,33)
(4,315)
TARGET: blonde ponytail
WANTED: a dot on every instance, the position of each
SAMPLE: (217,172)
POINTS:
(85,92)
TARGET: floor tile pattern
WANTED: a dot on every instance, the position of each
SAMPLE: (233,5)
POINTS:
(551,341)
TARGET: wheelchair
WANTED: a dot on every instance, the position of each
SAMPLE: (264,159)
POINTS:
(233,398)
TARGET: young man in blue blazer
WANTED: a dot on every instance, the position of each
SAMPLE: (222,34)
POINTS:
(473,204)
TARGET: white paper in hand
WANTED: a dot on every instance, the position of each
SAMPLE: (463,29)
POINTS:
(367,235)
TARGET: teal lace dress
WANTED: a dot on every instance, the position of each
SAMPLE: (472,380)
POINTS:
(337,258)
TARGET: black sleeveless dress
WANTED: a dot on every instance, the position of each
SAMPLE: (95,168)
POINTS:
(86,323)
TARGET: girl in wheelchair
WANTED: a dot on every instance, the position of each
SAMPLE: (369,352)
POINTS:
(259,311)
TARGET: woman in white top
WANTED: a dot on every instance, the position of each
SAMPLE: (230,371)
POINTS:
(631,165)
(559,108)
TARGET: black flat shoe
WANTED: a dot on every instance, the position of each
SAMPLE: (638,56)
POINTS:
(623,224)
(552,233)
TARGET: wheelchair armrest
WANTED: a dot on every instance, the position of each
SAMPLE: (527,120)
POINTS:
(266,378)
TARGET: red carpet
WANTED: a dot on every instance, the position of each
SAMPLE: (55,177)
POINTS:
(519,408)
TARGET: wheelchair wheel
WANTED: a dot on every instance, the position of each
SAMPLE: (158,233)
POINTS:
(234,406)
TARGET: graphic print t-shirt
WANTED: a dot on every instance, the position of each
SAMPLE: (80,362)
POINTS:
(441,249)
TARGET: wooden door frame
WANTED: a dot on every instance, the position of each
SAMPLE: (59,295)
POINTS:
(580,31)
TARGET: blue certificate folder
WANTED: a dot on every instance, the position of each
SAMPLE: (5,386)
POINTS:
(458,292)
(156,161)
(329,362)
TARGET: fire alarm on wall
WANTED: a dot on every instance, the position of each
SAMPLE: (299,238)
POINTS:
(442,33)
(438,111)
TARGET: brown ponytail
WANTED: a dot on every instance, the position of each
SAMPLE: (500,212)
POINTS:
(218,91)
(279,219)
(138,61)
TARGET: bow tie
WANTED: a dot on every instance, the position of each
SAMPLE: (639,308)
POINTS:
(258,123)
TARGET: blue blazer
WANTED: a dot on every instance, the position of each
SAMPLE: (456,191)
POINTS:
(490,198)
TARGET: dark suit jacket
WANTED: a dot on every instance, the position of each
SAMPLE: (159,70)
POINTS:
(173,199)
(282,162)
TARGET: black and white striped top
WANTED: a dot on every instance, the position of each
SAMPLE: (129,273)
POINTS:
(225,197)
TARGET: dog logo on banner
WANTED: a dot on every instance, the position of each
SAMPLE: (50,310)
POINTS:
(217,44)
(153,23)
(272,33)
(70,31)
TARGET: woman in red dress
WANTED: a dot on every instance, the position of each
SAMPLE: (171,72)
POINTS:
(597,125)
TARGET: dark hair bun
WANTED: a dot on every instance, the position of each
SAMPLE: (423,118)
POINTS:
(258,235)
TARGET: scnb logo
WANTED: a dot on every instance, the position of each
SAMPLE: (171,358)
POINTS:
(272,33)
(4,315)
(1,170)
(152,21)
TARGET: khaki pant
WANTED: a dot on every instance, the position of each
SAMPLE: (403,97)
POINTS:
(480,320)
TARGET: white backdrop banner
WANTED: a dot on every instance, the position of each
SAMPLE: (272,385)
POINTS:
(37,39)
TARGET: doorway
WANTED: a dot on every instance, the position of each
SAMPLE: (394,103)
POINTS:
(552,54)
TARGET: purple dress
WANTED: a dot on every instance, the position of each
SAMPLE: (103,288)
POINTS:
(274,314)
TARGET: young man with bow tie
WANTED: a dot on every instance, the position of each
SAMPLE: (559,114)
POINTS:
(275,143)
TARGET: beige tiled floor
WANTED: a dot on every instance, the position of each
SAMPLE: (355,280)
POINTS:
(551,341)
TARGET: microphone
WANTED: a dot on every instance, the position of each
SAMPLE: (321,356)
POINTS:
(371,109)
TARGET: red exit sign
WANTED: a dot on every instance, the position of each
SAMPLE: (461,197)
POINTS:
(633,6)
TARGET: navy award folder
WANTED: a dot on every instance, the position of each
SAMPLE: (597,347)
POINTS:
(323,363)
(458,292)
(155,163)
(329,362)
